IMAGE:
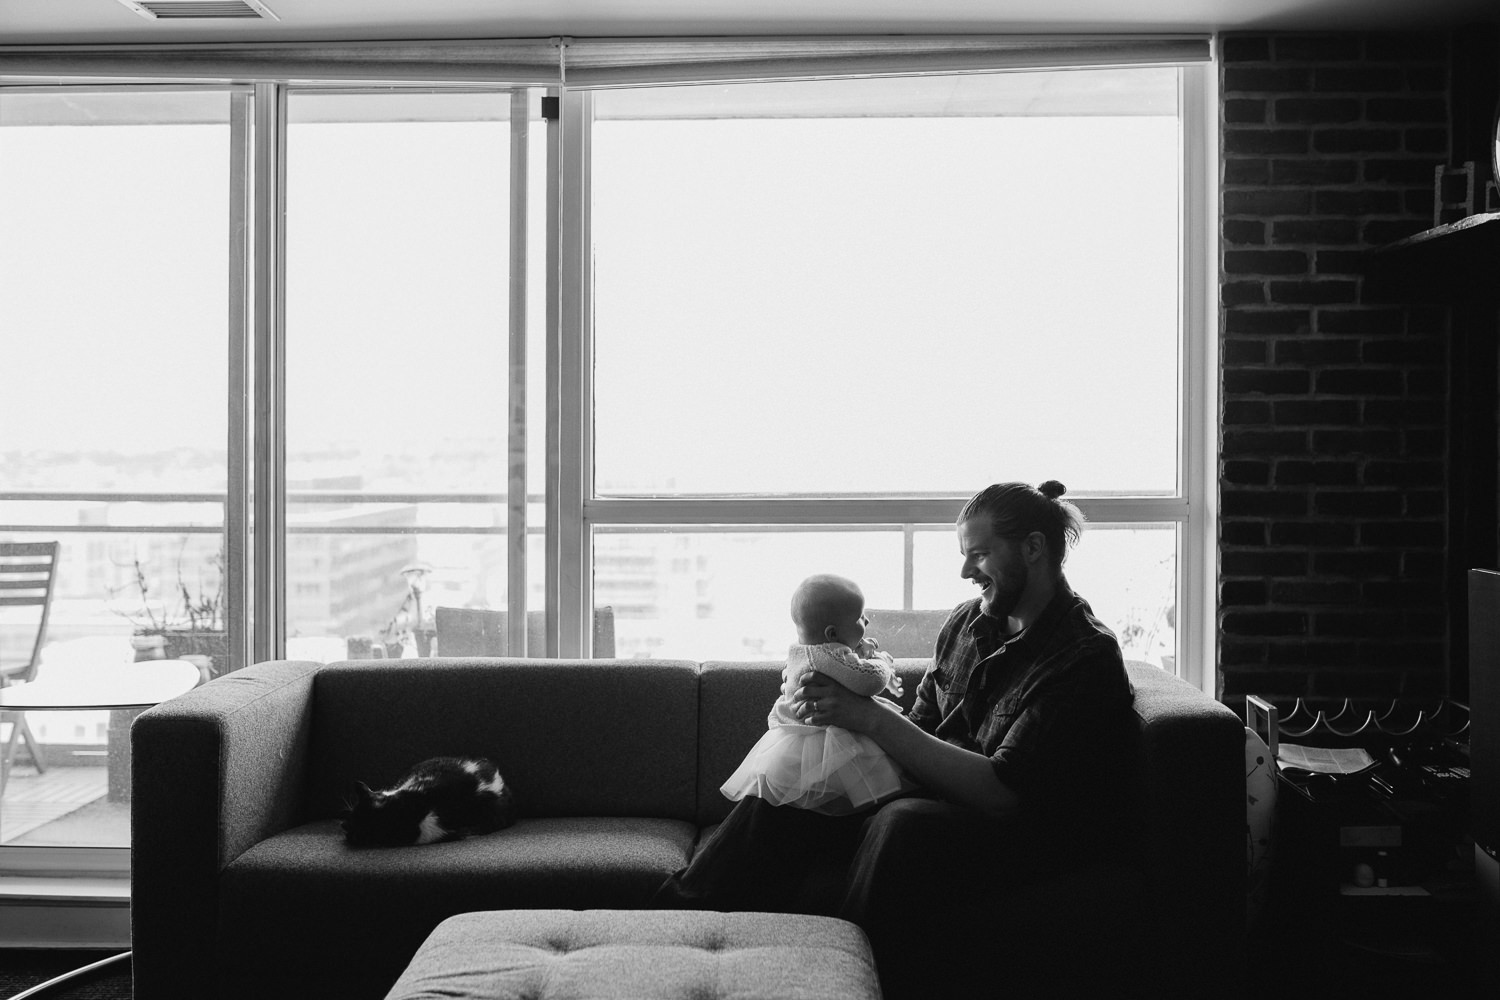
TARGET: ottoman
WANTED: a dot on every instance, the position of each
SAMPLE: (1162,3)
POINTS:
(642,954)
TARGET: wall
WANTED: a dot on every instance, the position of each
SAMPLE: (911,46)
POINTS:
(1334,435)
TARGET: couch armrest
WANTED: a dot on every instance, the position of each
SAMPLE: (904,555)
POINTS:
(213,772)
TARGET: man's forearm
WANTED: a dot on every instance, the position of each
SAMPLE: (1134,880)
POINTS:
(954,773)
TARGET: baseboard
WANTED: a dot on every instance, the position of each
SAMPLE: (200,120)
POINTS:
(65,913)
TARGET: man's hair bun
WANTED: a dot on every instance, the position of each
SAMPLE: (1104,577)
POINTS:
(1015,510)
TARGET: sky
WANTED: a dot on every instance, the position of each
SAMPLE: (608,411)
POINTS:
(909,305)
(779,304)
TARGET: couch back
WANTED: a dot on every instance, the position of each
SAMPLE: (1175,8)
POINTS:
(571,737)
(658,738)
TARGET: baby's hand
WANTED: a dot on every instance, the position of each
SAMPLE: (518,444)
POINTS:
(867,648)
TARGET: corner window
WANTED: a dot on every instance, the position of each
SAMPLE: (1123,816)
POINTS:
(607,384)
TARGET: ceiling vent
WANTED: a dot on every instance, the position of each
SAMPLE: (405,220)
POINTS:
(172,10)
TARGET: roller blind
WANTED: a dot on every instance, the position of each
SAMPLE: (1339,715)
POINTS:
(519,61)
(581,63)
(602,62)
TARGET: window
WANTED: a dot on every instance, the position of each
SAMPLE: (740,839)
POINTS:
(125,225)
(825,313)
(398,429)
(115,263)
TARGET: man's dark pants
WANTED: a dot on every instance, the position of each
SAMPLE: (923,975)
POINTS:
(915,873)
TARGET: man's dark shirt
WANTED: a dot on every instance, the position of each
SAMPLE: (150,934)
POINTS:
(1051,706)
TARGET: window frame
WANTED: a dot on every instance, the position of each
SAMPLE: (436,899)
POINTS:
(255,528)
(255,513)
(110,862)
(1192,508)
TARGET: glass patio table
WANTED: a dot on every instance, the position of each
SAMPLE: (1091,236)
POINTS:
(124,686)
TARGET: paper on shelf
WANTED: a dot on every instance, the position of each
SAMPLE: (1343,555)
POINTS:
(1325,760)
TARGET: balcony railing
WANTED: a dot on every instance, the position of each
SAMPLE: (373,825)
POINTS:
(497,500)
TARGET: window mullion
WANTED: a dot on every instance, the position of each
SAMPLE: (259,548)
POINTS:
(268,526)
(574,480)
(850,510)
(515,561)
(568,318)
(238,572)
(553,502)
(1197,576)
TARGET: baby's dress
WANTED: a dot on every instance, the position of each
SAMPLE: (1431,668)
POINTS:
(823,768)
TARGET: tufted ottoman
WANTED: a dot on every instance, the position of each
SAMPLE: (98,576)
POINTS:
(643,954)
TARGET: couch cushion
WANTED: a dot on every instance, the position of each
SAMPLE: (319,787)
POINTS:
(380,903)
(544,954)
(571,737)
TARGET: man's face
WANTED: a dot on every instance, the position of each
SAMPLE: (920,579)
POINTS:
(994,564)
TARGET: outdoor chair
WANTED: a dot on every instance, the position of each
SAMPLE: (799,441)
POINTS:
(27,573)
(906,633)
(482,632)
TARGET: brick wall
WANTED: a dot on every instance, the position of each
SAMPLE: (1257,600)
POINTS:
(1333,437)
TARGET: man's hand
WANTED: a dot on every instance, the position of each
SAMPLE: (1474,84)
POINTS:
(823,701)
(954,773)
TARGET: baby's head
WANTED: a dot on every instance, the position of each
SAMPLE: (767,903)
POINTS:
(828,608)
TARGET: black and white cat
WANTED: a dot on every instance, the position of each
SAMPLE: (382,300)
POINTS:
(443,798)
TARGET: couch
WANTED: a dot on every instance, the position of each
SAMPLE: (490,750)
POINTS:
(242,885)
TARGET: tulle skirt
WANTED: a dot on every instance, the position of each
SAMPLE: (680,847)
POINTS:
(822,768)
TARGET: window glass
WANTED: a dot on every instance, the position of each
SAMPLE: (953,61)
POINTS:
(398,409)
(719,593)
(796,291)
(700,594)
(114,267)
(888,291)
(1127,573)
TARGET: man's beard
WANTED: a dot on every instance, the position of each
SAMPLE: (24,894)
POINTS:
(1005,598)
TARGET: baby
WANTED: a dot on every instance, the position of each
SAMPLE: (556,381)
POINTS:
(824,768)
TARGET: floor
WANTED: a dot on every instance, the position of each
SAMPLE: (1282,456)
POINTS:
(23,968)
(66,806)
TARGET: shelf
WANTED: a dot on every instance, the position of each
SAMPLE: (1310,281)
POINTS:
(1450,232)
(1349,889)
(1456,261)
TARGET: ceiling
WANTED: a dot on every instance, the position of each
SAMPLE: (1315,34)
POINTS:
(110,22)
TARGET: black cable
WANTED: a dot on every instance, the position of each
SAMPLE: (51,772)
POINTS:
(66,977)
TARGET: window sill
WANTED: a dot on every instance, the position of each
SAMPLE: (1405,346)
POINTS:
(56,912)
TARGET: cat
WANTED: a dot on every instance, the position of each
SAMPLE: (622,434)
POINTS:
(444,798)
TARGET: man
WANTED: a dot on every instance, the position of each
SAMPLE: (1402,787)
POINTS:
(1020,736)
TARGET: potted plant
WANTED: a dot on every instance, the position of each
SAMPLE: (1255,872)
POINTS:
(187,626)
(183,625)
